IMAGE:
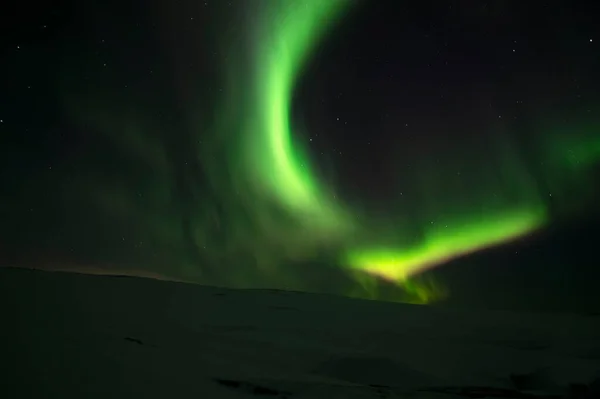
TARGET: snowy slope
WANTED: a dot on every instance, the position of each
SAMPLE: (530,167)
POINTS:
(74,335)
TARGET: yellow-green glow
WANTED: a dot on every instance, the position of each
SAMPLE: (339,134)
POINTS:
(442,244)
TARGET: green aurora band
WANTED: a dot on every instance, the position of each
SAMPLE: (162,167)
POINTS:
(288,32)
(269,208)
(285,37)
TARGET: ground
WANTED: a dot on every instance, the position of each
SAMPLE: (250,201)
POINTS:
(75,335)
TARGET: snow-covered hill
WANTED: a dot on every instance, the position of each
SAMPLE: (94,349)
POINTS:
(67,335)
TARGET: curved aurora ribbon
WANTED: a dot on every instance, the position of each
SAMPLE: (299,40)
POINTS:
(284,39)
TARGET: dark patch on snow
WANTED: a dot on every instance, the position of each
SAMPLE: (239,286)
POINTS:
(134,340)
(382,391)
(138,341)
(252,389)
(523,382)
(477,392)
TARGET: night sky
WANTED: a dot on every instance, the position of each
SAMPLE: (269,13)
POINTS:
(425,151)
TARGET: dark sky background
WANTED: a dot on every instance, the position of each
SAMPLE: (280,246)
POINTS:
(399,97)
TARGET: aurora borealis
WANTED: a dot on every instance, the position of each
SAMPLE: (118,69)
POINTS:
(216,171)
(287,32)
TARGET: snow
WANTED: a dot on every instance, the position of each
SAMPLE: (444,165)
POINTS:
(77,335)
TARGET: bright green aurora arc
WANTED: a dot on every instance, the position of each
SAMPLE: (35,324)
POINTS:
(288,33)
(270,207)
(284,40)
